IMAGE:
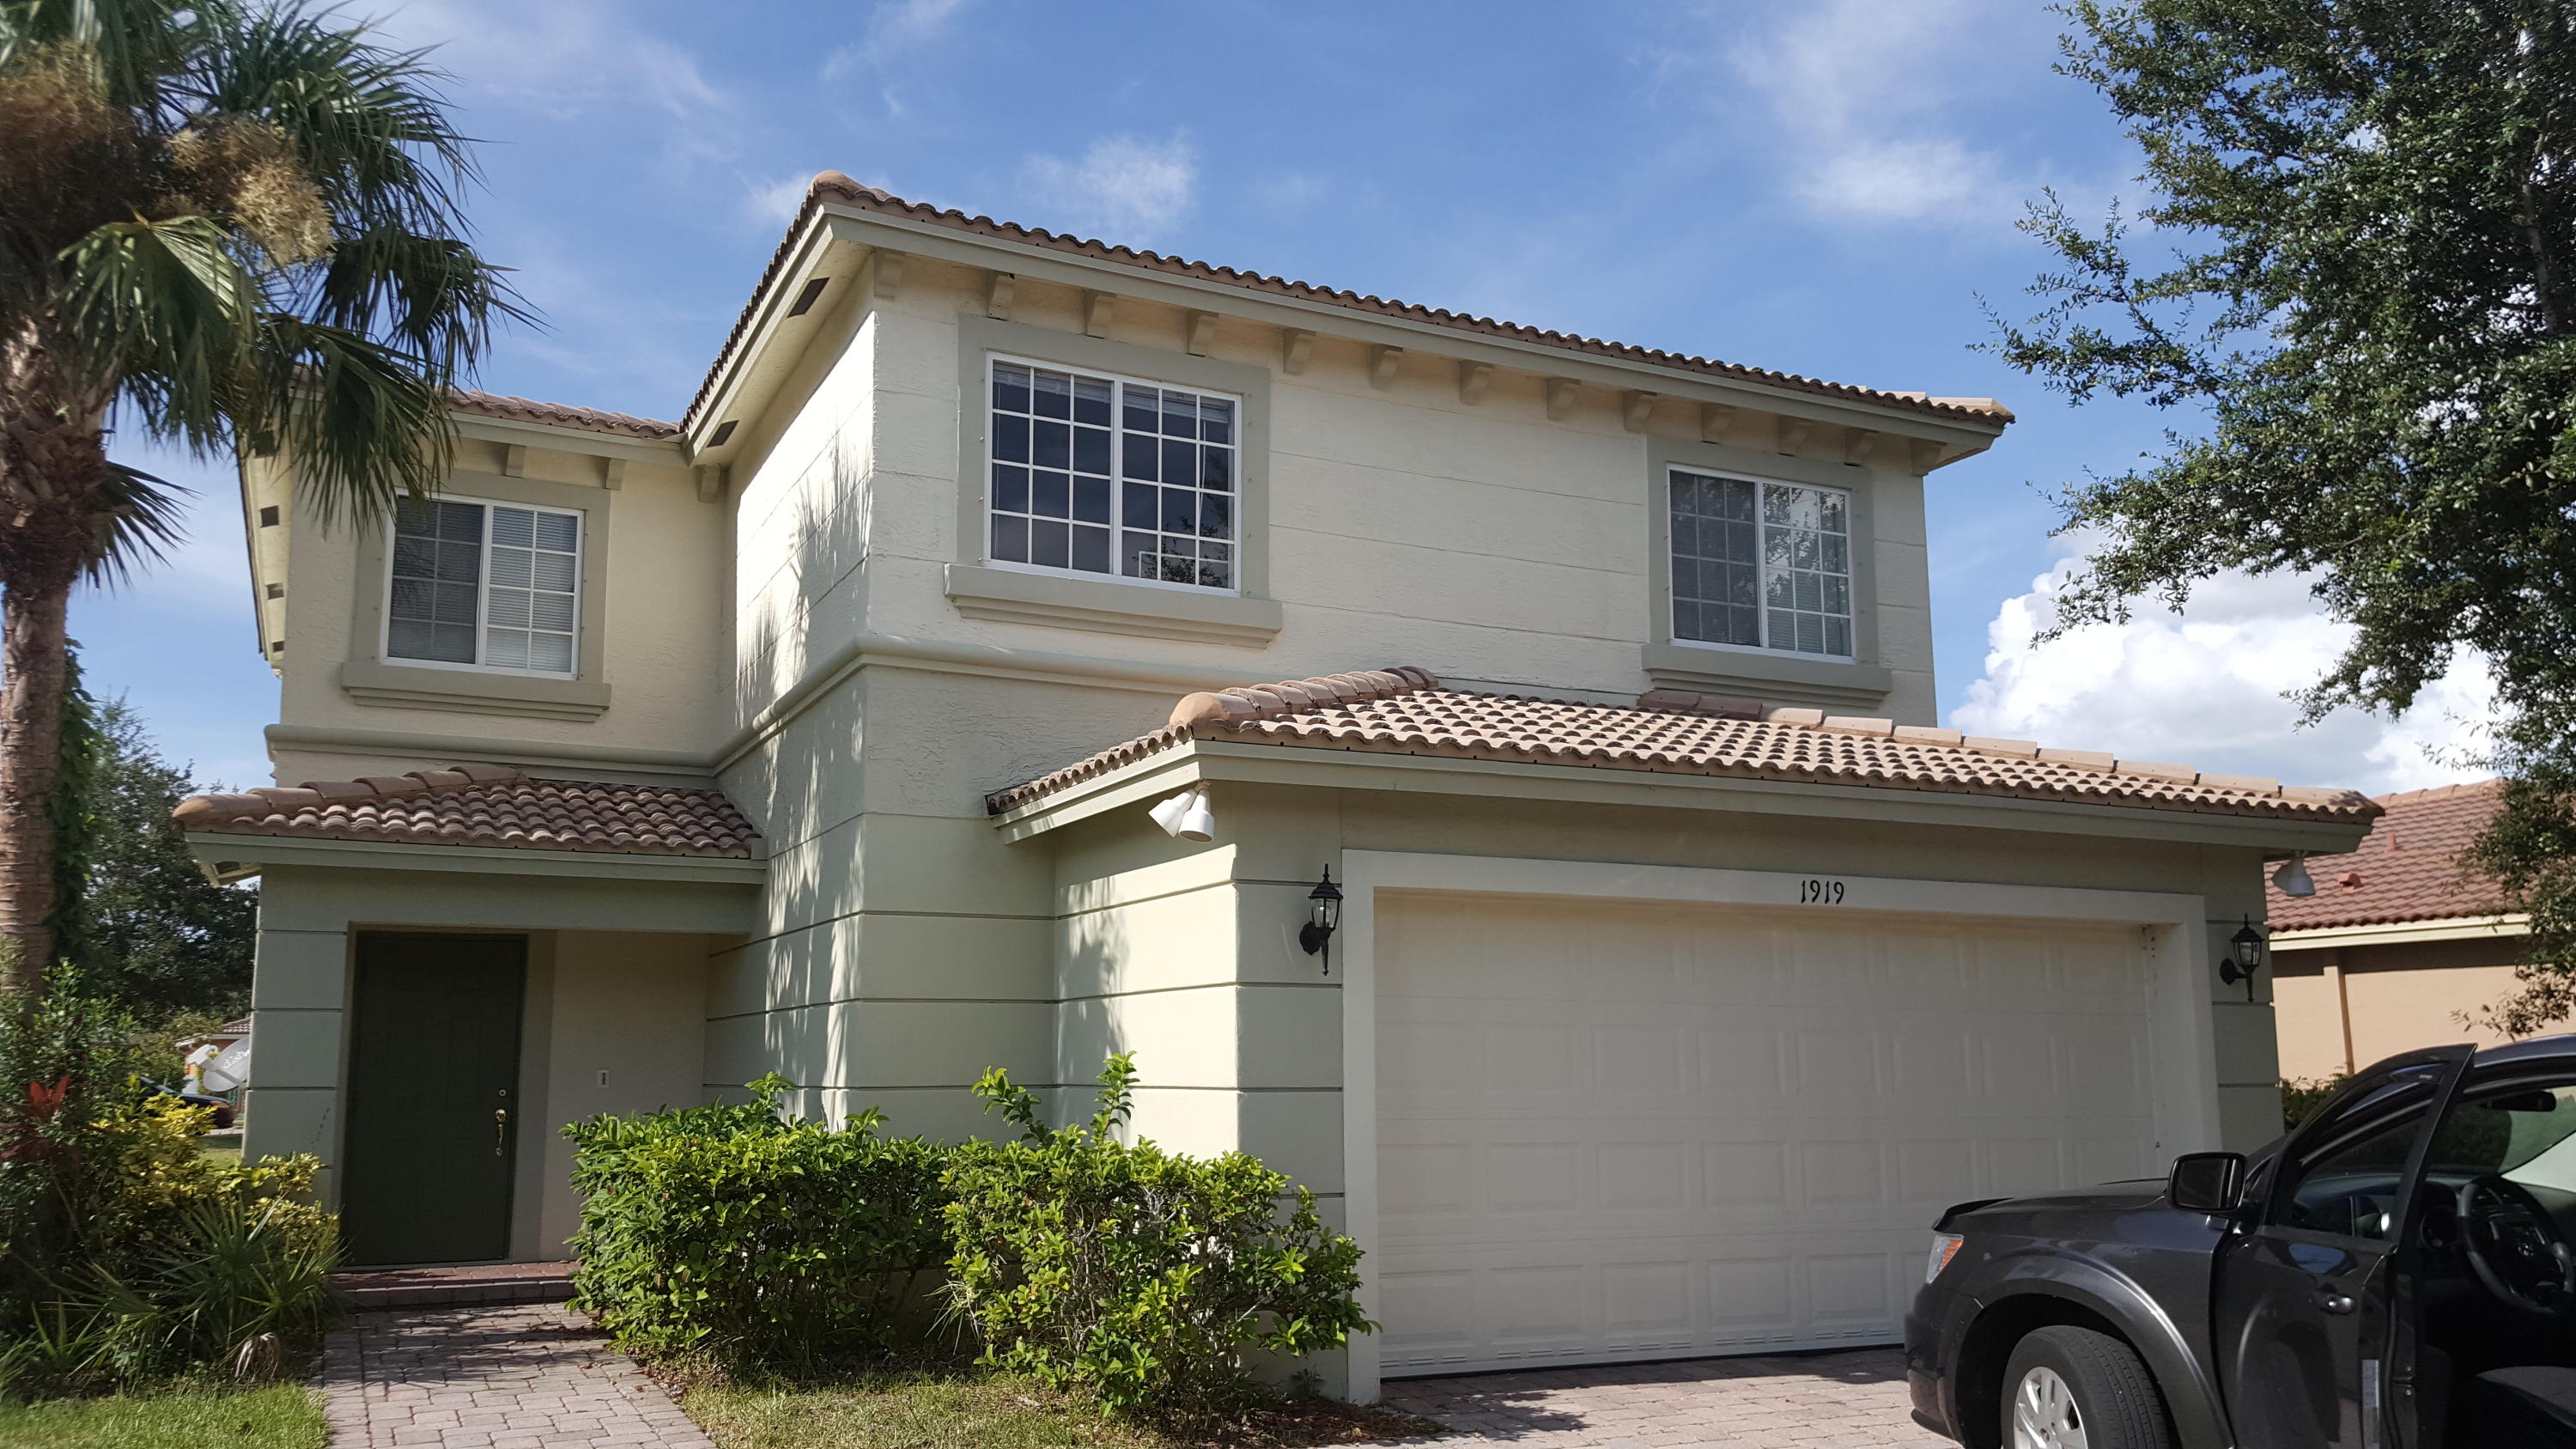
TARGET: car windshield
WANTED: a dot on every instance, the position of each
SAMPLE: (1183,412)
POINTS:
(2526,1133)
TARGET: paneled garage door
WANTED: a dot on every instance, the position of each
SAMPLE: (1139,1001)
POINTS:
(1634,1130)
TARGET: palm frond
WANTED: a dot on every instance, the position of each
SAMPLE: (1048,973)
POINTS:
(166,306)
(363,422)
(135,44)
(139,520)
(367,119)
(434,294)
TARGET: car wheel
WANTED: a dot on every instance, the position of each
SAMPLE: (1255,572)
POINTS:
(2072,1388)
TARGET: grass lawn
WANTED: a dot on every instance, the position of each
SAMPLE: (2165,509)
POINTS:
(223,1149)
(971,1411)
(285,1417)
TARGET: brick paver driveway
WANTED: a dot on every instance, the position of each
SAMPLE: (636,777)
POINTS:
(521,1376)
(1827,1399)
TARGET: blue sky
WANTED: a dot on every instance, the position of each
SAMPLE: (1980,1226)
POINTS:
(1827,187)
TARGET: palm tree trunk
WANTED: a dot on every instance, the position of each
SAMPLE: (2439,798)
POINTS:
(33,648)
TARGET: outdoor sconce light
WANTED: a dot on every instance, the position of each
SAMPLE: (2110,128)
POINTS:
(2245,957)
(2293,878)
(1323,918)
(1186,815)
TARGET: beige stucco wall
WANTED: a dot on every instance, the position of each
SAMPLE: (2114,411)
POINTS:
(617,982)
(2342,1008)
(662,649)
(1485,542)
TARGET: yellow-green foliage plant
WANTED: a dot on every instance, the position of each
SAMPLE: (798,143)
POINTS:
(1146,1278)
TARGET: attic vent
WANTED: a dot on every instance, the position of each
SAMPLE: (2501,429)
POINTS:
(268,516)
(724,433)
(805,299)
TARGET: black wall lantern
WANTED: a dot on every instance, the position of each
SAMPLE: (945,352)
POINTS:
(1323,918)
(2245,957)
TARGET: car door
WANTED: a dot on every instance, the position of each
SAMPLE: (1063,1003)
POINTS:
(2308,1355)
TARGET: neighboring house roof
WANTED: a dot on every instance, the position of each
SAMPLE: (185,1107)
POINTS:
(486,805)
(833,187)
(2407,869)
(561,415)
(1406,711)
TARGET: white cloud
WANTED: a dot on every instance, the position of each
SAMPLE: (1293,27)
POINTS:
(1126,190)
(2206,688)
(893,27)
(561,58)
(773,203)
(1862,93)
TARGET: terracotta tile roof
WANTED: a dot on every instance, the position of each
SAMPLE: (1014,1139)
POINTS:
(834,188)
(1406,711)
(487,805)
(2407,870)
(561,415)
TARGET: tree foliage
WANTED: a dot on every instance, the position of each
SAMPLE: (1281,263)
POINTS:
(230,226)
(143,925)
(2358,273)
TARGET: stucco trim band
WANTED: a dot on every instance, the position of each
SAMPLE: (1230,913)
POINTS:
(1110,606)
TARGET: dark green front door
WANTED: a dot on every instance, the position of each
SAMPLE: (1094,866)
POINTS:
(433,1098)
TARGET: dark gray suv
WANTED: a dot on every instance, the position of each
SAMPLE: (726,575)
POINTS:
(2396,1274)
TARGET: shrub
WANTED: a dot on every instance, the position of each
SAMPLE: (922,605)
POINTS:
(2302,1096)
(732,1232)
(125,1252)
(1139,1275)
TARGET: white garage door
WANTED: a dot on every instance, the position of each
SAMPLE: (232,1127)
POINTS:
(1630,1130)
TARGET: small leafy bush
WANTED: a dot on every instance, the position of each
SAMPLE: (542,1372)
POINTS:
(733,1233)
(2302,1096)
(126,1253)
(1140,1276)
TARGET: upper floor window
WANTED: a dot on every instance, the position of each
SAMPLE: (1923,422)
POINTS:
(1761,565)
(1109,475)
(490,584)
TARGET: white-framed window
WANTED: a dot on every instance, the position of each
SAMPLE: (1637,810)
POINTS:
(484,585)
(1759,564)
(1093,473)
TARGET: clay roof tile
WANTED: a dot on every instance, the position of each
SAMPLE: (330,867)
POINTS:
(488,805)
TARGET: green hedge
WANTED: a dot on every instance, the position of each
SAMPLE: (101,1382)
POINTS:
(1145,1278)
(731,1231)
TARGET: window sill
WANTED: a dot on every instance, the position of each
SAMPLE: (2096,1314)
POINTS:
(1103,606)
(1772,678)
(472,691)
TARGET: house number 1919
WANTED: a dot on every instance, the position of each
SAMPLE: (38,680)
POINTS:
(1818,892)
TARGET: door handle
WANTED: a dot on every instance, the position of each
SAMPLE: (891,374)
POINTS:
(2335,1300)
(500,1131)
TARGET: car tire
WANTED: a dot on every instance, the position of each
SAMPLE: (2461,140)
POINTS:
(2067,1377)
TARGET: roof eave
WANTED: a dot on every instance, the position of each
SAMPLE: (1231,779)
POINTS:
(1202,761)
(733,388)
(234,855)
(2497,926)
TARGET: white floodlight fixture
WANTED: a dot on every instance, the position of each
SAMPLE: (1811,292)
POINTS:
(1200,822)
(1170,813)
(2293,878)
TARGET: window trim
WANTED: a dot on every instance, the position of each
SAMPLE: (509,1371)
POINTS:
(1762,565)
(1860,681)
(1117,475)
(483,595)
(1036,594)
(367,677)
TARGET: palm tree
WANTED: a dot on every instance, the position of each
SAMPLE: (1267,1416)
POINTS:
(232,226)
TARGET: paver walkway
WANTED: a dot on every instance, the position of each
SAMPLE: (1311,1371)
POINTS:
(520,1376)
(1836,1399)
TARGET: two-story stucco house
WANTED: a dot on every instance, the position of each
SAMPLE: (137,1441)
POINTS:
(1683,968)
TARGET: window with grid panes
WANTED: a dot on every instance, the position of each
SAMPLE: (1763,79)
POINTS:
(490,584)
(1762,565)
(1107,475)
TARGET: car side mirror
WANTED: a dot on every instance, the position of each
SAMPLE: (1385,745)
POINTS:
(2207,1182)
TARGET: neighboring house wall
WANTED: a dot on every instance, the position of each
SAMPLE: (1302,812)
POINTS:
(2399,947)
